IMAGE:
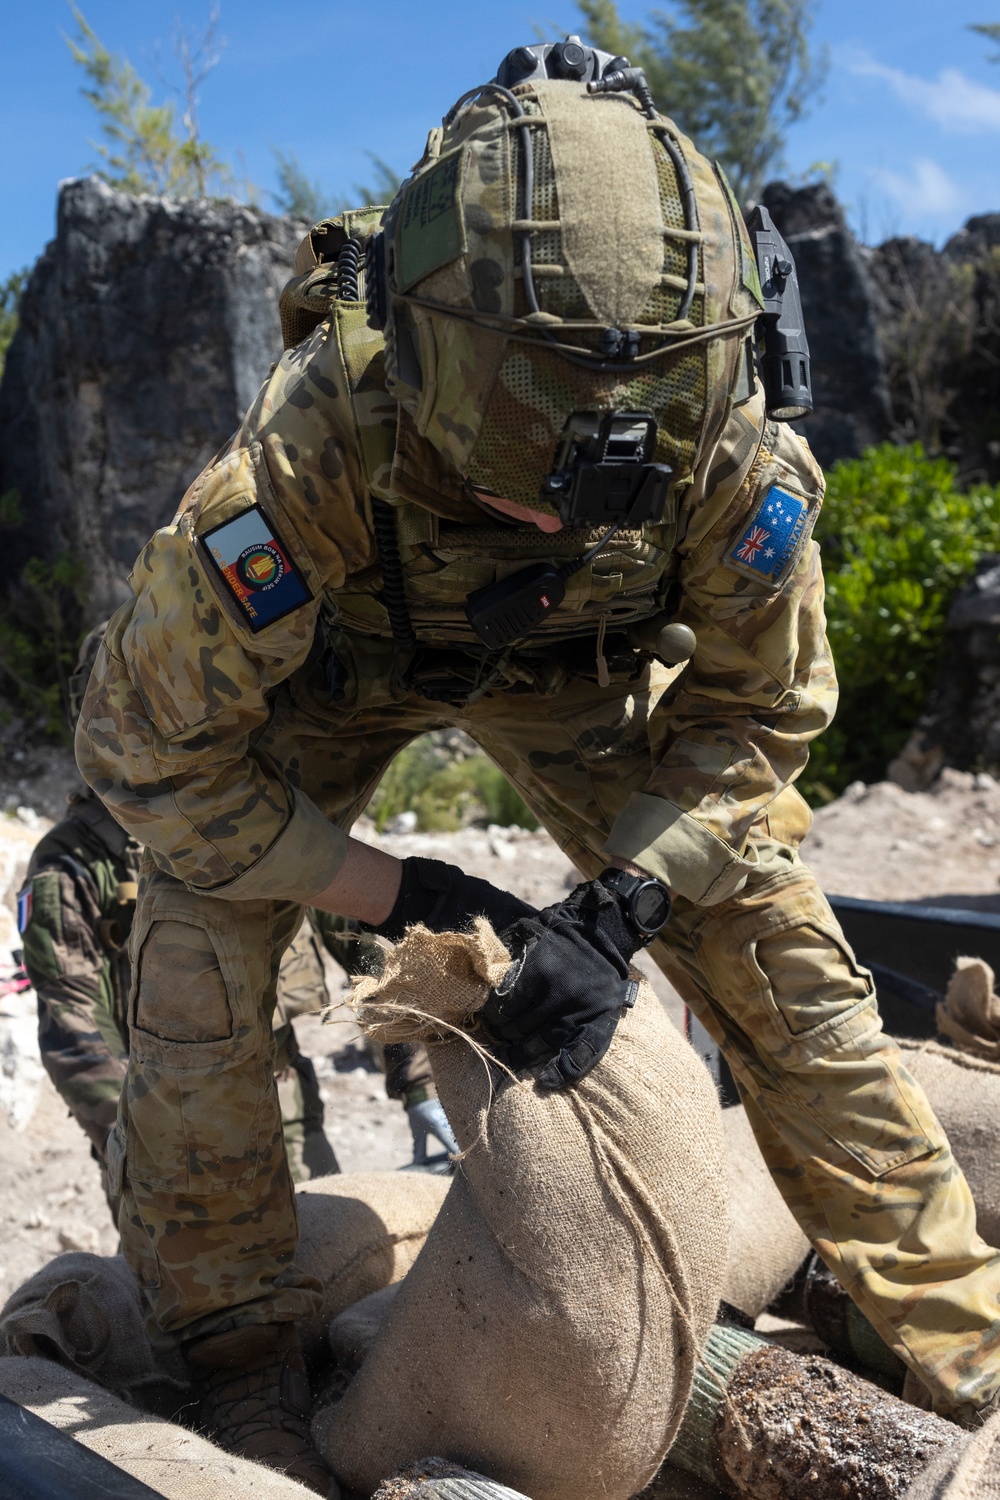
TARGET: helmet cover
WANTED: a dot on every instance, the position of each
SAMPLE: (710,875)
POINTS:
(491,381)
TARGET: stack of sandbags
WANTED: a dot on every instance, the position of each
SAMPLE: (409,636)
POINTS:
(766,1245)
(969,1470)
(547,1333)
(358,1232)
(173,1462)
(84,1312)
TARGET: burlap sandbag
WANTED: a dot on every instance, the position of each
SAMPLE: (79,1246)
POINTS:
(546,1334)
(766,1245)
(969,1470)
(174,1462)
(84,1311)
(360,1231)
(970,1015)
(964,1092)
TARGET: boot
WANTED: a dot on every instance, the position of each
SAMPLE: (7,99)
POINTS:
(255,1400)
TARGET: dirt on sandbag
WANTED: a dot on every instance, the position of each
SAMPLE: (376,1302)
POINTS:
(546,1335)
(794,1426)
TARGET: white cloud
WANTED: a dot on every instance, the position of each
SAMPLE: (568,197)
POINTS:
(952,100)
(925,189)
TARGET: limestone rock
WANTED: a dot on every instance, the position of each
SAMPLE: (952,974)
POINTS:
(841,304)
(146,329)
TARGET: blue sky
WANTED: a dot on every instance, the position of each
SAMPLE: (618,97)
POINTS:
(910,111)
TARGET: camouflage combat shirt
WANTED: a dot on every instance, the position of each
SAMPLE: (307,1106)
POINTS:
(189,670)
(82,884)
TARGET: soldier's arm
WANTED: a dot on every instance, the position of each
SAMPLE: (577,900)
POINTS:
(761,683)
(191,663)
(82,1049)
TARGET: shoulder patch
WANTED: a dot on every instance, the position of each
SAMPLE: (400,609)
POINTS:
(256,569)
(768,542)
(25,902)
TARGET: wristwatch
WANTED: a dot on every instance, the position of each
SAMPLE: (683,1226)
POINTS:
(646,900)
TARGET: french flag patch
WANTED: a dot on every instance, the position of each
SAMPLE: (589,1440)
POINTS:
(770,539)
(24,904)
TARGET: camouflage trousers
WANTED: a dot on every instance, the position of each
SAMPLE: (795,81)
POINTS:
(208,1217)
(300,1105)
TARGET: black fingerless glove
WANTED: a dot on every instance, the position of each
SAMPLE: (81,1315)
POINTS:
(557,1008)
(445,899)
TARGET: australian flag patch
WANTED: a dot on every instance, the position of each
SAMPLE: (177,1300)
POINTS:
(25,902)
(253,563)
(771,537)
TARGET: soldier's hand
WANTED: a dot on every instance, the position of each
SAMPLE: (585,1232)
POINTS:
(445,899)
(429,1121)
(557,1008)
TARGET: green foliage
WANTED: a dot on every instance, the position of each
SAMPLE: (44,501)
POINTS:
(385,186)
(39,631)
(11,292)
(898,538)
(734,74)
(297,195)
(303,198)
(143,151)
(446,793)
(991,30)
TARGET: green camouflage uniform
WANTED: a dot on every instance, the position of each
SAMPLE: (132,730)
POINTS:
(83,881)
(243,756)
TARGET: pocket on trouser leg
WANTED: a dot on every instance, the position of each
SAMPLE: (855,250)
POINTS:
(784,973)
(202,1117)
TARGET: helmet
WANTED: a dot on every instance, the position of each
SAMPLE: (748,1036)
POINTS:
(563,274)
(80,676)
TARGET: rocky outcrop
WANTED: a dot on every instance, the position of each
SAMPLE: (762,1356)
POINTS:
(146,328)
(940,326)
(960,726)
(841,305)
(149,323)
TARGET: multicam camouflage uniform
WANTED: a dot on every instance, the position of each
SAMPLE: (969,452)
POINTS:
(82,881)
(251,695)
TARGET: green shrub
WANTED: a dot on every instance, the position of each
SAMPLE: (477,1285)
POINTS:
(898,538)
(447,793)
(40,627)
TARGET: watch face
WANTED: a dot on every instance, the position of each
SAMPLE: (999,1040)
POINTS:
(650,907)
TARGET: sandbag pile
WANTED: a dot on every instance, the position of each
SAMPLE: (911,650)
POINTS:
(84,1312)
(547,1333)
(766,1245)
(360,1231)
